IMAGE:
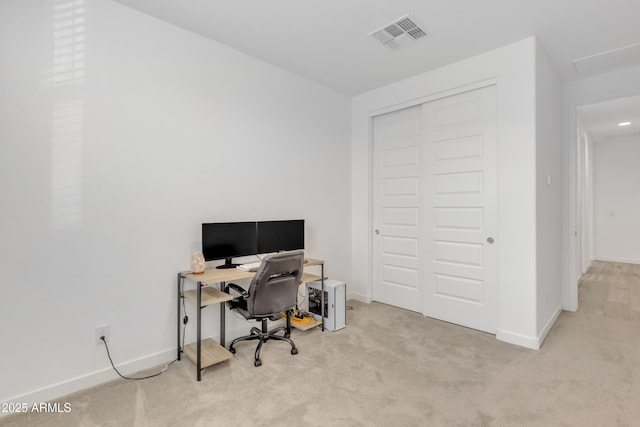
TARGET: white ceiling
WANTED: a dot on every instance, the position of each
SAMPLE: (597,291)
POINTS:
(601,119)
(327,40)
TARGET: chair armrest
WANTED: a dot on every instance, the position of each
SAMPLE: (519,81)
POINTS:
(243,293)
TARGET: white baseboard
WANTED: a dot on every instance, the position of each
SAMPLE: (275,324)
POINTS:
(622,260)
(549,325)
(587,267)
(518,339)
(83,382)
(367,299)
(571,307)
(533,343)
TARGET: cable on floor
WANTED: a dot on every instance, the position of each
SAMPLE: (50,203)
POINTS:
(134,378)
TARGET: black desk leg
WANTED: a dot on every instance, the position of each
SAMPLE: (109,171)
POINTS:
(322,294)
(222,317)
(199,321)
(179,297)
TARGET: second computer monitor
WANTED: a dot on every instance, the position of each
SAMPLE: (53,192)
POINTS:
(227,240)
(275,236)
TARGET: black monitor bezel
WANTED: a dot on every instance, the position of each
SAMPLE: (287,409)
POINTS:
(267,245)
(249,246)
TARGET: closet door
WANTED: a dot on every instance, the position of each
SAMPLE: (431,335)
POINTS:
(460,209)
(397,214)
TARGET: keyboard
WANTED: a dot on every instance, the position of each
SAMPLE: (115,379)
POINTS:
(251,266)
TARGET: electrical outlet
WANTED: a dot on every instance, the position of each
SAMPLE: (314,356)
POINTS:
(102,331)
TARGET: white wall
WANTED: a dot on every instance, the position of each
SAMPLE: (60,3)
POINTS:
(617,200)
(549,194)
(513,69)
(588,209)
(108,168)
(584,198)
(589,90)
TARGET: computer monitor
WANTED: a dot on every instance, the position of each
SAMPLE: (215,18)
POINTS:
(226,240)
(275,236)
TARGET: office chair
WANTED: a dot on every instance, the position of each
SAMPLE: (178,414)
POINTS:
(273,291)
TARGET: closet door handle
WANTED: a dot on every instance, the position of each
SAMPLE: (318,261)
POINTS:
(377,231)
(490,240)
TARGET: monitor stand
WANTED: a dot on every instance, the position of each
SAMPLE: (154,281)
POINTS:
(228,264)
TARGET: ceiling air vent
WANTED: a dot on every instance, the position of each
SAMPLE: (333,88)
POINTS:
(400,33)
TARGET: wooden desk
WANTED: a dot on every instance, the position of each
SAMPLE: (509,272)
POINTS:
(206,294)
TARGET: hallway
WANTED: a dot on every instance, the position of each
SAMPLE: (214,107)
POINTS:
(611,289)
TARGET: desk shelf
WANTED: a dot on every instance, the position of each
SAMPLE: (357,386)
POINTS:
(305,326)
(308,277)
(211,352)
(209,296)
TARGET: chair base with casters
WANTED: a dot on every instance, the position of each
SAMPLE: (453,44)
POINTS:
(264,335)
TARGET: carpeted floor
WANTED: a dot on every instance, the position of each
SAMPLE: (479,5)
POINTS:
(391,367)
(611,289)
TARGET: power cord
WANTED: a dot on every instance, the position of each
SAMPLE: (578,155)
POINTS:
(301,294)
(185,319)
(132,378)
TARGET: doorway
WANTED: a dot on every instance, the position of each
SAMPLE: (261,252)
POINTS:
(608,204)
